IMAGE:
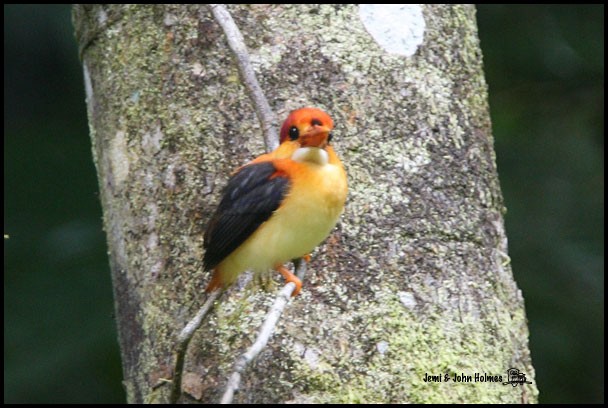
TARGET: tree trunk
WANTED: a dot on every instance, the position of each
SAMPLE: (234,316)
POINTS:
(414,281)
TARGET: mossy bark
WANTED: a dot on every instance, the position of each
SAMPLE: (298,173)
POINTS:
(414,280)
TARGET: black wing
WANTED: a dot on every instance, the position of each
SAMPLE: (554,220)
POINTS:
(248,200)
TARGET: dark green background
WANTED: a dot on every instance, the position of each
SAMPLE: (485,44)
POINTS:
(545,69)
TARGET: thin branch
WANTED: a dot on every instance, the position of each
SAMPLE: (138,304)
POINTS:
(236,42)
(267,330)
(268,121)
(184,339)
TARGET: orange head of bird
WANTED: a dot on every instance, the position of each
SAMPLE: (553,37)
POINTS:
(311,127)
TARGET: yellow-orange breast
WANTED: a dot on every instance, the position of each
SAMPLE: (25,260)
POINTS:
(304,219)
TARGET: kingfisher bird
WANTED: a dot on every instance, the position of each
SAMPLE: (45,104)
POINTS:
(280,206)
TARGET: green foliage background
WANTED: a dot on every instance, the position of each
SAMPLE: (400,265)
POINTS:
(545,69)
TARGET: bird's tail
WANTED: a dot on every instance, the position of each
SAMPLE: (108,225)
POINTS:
(216,281)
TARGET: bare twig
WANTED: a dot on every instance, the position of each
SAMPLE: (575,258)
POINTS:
(271,139)
(267,330)
(184,339)
(267,118)
(236,42)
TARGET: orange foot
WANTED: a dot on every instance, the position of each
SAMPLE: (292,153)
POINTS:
(307,258)
(290,277)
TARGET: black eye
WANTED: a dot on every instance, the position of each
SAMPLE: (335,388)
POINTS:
(294,133)
(329,137)
(316,122)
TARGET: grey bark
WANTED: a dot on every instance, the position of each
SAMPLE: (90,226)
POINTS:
(414,280)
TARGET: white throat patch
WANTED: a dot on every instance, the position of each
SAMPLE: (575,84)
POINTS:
(311,155)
